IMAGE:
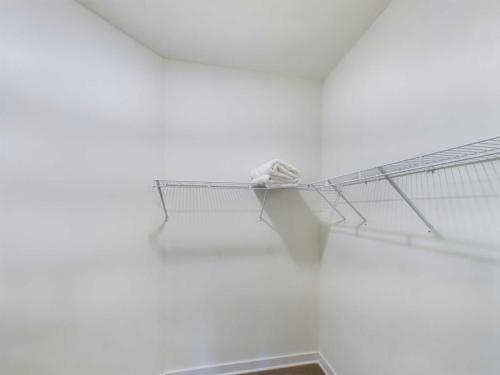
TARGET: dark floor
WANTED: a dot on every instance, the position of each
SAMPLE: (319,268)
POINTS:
(312,369)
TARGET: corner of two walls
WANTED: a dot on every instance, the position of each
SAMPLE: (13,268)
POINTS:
(423,78)
(90,118)
(238,289)
(182,302)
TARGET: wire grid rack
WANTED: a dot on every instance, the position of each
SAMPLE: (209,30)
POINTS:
(217,185)
(461,202)
(451,193)
(476,152)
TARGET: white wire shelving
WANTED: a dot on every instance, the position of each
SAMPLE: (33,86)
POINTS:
(216,185)
(485,150)
(339,191)
(162,185)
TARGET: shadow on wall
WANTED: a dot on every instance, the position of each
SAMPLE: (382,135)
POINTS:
(288,214)
(461,202)
(476,251)
(212,223)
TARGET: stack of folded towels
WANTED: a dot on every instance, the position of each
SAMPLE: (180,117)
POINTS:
(275,174)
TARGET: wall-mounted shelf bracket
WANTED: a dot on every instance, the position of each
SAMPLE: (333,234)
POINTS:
(409,202)
(342,195)
(263,205)
(160,192)
(332,205)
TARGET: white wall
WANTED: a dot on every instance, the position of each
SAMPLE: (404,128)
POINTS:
(81,138)
(222,122)
(236,288)
(88,118)
(426,76)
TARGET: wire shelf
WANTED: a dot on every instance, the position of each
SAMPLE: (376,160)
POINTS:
(451,191)
(486,150)
(219,185)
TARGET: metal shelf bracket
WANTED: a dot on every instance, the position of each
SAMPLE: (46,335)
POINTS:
(409,202)
(263,205)
(160,192)
(332,205)
(342,195)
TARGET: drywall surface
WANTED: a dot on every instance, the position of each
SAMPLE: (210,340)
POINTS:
(221,122)
(81,136)
(237,288)
(90,279)
(425,77)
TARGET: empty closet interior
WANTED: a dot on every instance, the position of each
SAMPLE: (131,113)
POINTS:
(294,187)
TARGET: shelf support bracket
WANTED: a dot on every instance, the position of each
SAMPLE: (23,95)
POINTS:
(333,206)
(263,205)
(160,192)
(342,195)
(430,227)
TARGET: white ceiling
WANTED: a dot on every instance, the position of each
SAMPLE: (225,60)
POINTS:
(297,37)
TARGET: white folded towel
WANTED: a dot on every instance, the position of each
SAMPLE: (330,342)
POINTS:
(275,167)
(275,174)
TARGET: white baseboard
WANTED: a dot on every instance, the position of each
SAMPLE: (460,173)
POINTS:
(259,364)
(325,365)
